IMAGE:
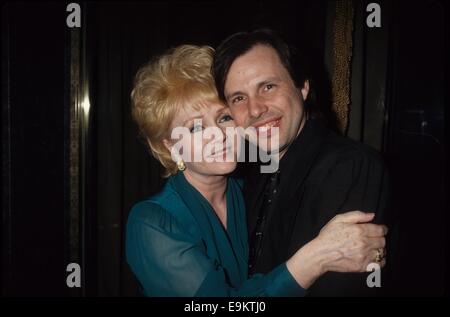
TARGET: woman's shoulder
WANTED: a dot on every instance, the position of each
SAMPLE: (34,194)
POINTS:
(148,212)
(164,210)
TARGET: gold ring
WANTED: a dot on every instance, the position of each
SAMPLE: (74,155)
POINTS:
(379,256)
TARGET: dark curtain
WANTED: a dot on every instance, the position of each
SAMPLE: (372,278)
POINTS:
(414,146)
(122,39)
(35,148)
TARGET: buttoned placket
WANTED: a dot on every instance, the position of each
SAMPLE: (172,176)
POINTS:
(261,222)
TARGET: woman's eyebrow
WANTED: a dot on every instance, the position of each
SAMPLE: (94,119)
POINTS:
(221,111)
(192,118)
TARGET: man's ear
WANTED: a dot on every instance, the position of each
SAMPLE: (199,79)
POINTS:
(305,90)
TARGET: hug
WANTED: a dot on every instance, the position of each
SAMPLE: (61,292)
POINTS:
(220,227)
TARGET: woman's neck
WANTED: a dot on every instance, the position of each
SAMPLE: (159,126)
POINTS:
(213,188)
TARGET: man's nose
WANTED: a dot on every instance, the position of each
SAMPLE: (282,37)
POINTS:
(256,107)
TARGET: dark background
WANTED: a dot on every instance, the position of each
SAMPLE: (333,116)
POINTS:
(397,107)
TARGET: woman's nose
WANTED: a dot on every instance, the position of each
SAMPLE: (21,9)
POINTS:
(214,133)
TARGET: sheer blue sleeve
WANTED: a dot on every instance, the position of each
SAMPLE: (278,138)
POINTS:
(169,261)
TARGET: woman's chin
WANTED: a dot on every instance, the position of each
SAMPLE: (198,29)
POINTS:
(212,168)
(222,168)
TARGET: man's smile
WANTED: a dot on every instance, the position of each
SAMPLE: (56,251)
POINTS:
(265,126)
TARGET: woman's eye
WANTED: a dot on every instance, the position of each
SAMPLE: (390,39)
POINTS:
(225,118)
(196,128)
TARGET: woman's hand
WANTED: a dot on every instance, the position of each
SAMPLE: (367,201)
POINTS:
(347,243)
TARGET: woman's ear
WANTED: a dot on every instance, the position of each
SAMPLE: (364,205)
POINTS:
(167,144)
(305,90)
(176,156)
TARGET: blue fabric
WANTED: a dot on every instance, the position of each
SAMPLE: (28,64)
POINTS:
(177,246)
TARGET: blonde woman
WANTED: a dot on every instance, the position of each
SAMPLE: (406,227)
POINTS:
(191,238)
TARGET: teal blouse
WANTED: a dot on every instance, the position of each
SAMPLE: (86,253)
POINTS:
(177,246)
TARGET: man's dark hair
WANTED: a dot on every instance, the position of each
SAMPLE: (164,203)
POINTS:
(240,43)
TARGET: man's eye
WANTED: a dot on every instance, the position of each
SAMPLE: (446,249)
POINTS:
(196,128)
(225,118)
(269,86)
(237,99)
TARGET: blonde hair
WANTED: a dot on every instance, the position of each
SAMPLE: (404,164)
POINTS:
(181,77)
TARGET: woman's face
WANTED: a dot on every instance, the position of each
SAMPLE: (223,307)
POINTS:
(202,140)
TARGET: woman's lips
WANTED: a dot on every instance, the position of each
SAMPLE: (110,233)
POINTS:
(221,153)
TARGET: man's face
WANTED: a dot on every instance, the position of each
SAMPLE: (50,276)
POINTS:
(261,94)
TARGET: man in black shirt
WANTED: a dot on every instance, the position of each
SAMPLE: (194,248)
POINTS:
(320,173)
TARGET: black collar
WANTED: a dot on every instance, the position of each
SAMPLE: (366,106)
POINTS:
(302,151)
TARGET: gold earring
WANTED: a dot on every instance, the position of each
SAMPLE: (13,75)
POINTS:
(180,165)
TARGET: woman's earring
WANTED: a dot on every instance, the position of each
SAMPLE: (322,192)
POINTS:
(180,165)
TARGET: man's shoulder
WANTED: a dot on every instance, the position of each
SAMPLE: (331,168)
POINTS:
(337,148)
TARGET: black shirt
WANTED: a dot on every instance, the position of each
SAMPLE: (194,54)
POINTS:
(321,174)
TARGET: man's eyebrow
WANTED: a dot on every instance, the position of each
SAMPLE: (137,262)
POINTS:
(268,81)
(234,94)
(259,85)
